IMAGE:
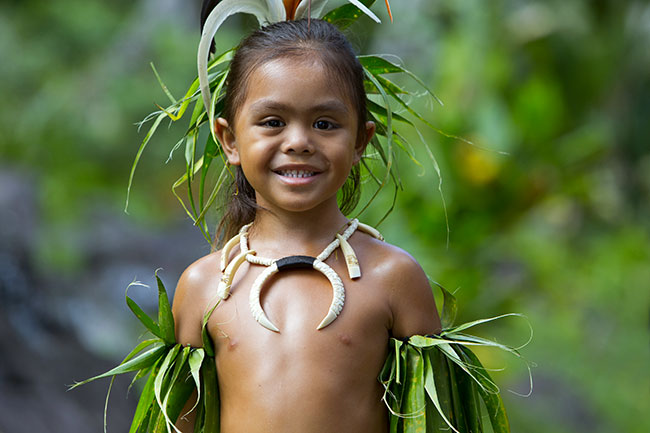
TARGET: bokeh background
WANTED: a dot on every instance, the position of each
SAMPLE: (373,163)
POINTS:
(548,212)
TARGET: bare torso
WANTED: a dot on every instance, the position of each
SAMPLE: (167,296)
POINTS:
(302,379)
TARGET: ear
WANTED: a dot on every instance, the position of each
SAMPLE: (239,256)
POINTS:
(363,142)
(227,139)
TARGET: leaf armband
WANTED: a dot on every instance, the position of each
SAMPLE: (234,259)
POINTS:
(436,383)
(172,374)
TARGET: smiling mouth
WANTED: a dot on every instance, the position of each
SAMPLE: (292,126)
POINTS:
(296,173)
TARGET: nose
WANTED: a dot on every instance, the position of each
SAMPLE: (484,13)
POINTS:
(298,140)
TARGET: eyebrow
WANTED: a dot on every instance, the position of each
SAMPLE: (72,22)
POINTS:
(270,104)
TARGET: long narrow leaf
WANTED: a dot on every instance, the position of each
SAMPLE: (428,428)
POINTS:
(196,361)
(144,318)
(162,378)
(140,347)
(432,391)
(379,65)
(211,393)
(415,404)
(139,155)
(165,316)
(170,413)
(449,307)
(145,401)
(473,323)
(162,85)
(492,400)
(144,360)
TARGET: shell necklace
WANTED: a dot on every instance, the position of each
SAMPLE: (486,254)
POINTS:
(274,266)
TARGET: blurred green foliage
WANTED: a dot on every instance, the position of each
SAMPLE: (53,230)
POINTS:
(557,228)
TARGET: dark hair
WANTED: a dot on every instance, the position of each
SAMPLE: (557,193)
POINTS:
(316,40)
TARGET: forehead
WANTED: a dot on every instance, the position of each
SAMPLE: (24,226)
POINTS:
(299,82)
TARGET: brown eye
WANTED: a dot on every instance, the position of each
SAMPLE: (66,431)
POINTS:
(323,125)
(273,123)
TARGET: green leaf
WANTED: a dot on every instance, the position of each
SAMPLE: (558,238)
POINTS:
(190,152)
(415,404)
(210,151)
(178,391)
(345,15)
(145,401)
(144,318)
(165,316)
(196,361)
(437,370)
(211,393)
(473,323)
(468,396)
(378,65)
(162,85)
(458,411)
(140,347)
(161,379)
(470,340)
(388,160)
(493,403)
(138,155)
(380,111)
(449,307)
(144,360)
(213,196)
(205,335)
(426,341)
(391,87)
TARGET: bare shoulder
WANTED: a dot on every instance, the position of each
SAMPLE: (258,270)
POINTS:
(194,291)
(410,294)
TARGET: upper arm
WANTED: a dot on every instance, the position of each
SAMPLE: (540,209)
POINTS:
(412,302)
(191,300)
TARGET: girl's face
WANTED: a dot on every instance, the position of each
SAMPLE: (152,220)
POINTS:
(295,136)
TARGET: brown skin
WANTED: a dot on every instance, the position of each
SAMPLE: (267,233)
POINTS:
(302,379)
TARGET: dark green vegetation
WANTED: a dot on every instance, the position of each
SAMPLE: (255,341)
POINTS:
(556,229)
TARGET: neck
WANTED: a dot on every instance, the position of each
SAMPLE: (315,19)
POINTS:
(295,233)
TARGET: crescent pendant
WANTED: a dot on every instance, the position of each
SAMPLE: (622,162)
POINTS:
(297,262)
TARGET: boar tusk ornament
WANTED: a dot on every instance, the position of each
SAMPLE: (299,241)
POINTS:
(274,266)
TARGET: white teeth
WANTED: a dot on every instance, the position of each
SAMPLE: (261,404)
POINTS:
(296,173)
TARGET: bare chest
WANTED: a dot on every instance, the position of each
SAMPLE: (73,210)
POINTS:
(296,302)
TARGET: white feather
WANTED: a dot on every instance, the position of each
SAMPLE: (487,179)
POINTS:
(317,7)
(365,10)
(268,11)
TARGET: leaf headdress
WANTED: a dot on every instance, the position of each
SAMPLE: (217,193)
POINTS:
(386,104)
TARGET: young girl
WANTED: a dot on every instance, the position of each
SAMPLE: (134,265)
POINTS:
(304,321)
(294,128)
